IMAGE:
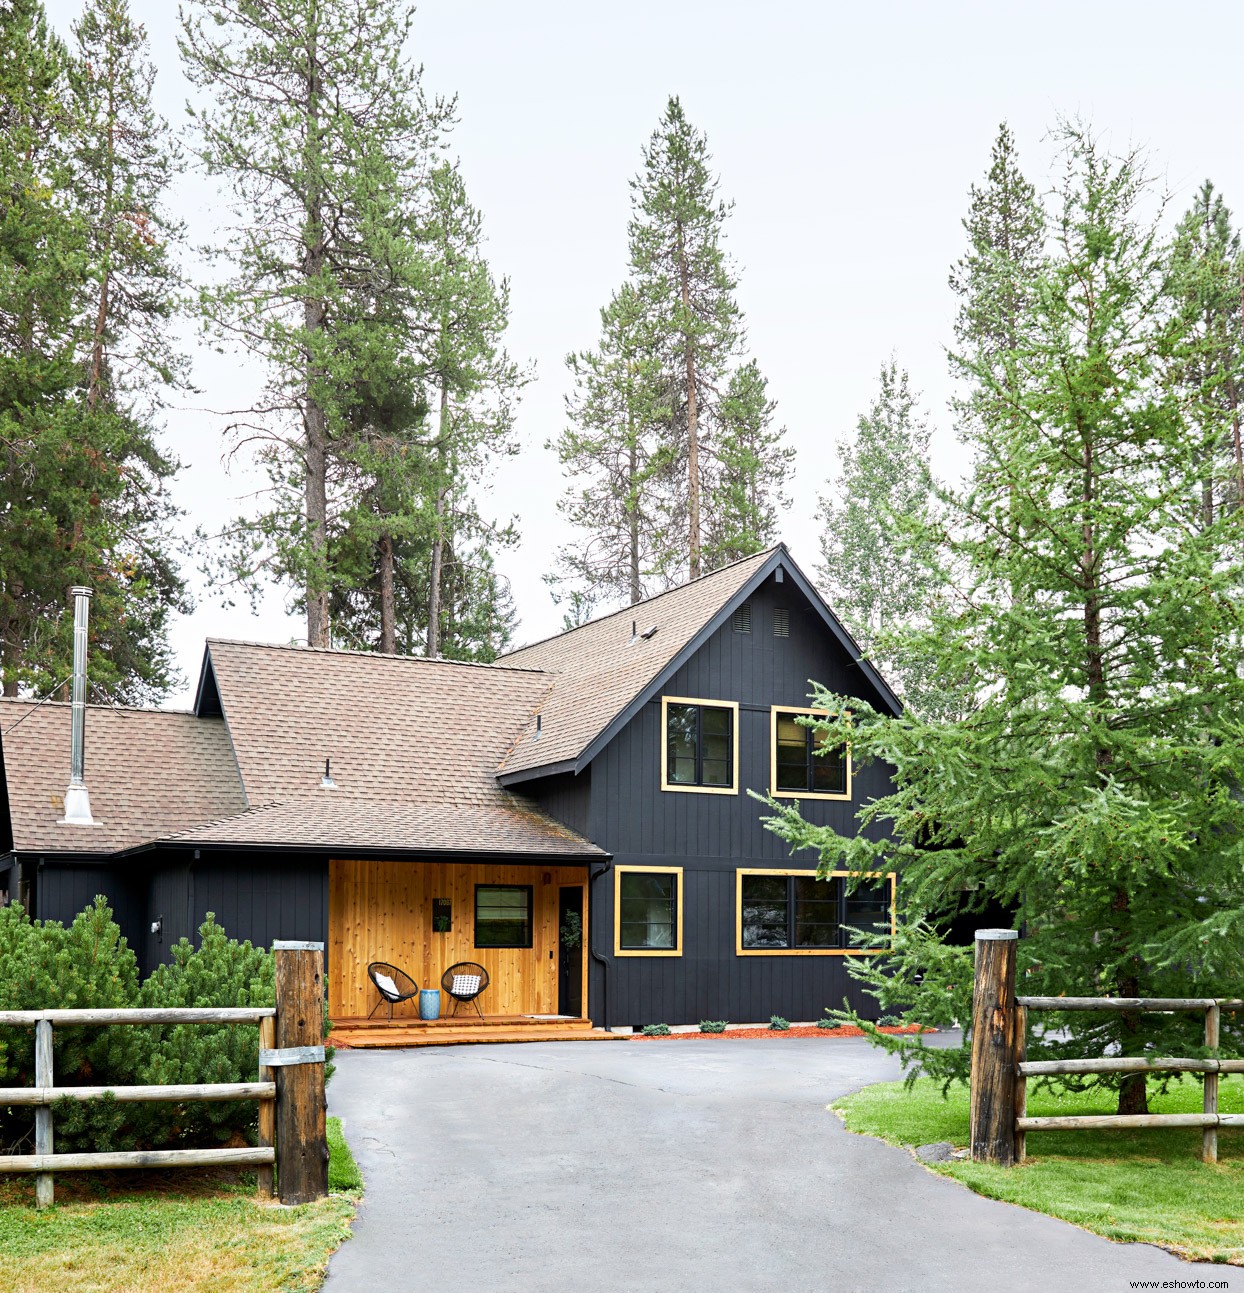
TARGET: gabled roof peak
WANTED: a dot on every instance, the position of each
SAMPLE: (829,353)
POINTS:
(634,609)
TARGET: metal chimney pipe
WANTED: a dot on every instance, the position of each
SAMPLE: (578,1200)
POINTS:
(77,800)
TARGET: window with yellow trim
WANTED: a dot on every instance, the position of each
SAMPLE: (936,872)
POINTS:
(699,744)
(804,763)
(648,911)
(801,913)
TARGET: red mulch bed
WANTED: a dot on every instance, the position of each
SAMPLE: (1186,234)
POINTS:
(808,1030)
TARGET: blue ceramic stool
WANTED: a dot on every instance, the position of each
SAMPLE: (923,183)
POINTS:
(429,1003)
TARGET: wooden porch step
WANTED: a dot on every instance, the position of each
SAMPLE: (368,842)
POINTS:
(395,1035)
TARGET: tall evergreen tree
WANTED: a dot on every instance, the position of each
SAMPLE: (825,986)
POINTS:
(318,120)
(878,568)
(686,282)
(995,282)
(1205,283)
(472,383)
(749,470)
(1093,787)
(82,487)
(613,445)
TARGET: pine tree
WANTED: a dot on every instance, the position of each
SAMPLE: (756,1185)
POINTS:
(878,568)
(1093,787)
(686,282)
(1205,284)
(472,383)
(749,470)
(81,496)
(319,122)
(613,446)
(995,283)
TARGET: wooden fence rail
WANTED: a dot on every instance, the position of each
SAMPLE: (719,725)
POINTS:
(1000,1069)
(293,1143)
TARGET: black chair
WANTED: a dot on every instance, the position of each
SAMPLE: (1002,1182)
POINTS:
(404,987)
(465,982)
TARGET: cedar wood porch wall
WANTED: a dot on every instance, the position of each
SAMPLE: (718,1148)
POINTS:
(382,911)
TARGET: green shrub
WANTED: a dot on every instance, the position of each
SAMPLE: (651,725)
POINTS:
(656,1030)
(219,972)
(713,1025)
(827,1023)
(777,1024)
(46,966)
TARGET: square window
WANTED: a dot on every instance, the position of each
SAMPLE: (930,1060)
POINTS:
(802,762)
(699,745)
(648,910)
(503,915)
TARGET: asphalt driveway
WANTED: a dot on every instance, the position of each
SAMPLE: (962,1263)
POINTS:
(670,1166)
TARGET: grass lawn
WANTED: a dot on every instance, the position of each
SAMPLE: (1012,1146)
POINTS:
(1135,1186)
(172,1231)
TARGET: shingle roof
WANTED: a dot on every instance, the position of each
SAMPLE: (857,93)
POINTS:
(149,772)
(507,826)
(600,668)
(414,745)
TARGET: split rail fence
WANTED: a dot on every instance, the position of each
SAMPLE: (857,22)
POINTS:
(293,1143)
(1000,1068)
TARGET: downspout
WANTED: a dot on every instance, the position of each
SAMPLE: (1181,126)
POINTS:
(593,876)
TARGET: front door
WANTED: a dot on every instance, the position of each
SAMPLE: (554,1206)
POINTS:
(570,936)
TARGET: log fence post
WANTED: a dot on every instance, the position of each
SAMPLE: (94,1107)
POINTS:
(995,1048)
(1209,1134)
(301,1134)
(1021,1082)
(45,1187)
(267,1110)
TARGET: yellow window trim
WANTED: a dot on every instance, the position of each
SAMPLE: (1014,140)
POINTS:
(740,950)
(618,949)
(666,702)
(774,711)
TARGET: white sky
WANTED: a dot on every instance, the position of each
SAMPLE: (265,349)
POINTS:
(847,135)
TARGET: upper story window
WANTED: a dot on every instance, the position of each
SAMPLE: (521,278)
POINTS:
(699,750)
(802,765)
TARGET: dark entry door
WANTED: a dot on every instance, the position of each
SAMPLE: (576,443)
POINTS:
(570,936)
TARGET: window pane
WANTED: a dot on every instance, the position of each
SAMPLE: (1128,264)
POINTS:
(868,908)
(716,772)
(502,915)
(792,754)
(765,906)
(715,722)
(649,910)
(816,912)
(680,728)
(829,771)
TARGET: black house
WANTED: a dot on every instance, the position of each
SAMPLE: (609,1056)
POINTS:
(424,812)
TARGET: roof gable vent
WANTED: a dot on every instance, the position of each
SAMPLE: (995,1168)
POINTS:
(741,620)
(781,622)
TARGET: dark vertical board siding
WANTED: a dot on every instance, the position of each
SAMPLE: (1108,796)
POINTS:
(257,898)
(64,890)
(710,836)
(565,798)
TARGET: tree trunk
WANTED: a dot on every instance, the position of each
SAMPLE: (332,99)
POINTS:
(438,533)
(388,627)
(633,514)
(95,378)
(315,421)
(693,425)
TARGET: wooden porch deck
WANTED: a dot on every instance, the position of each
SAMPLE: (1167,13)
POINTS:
(352,1034)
